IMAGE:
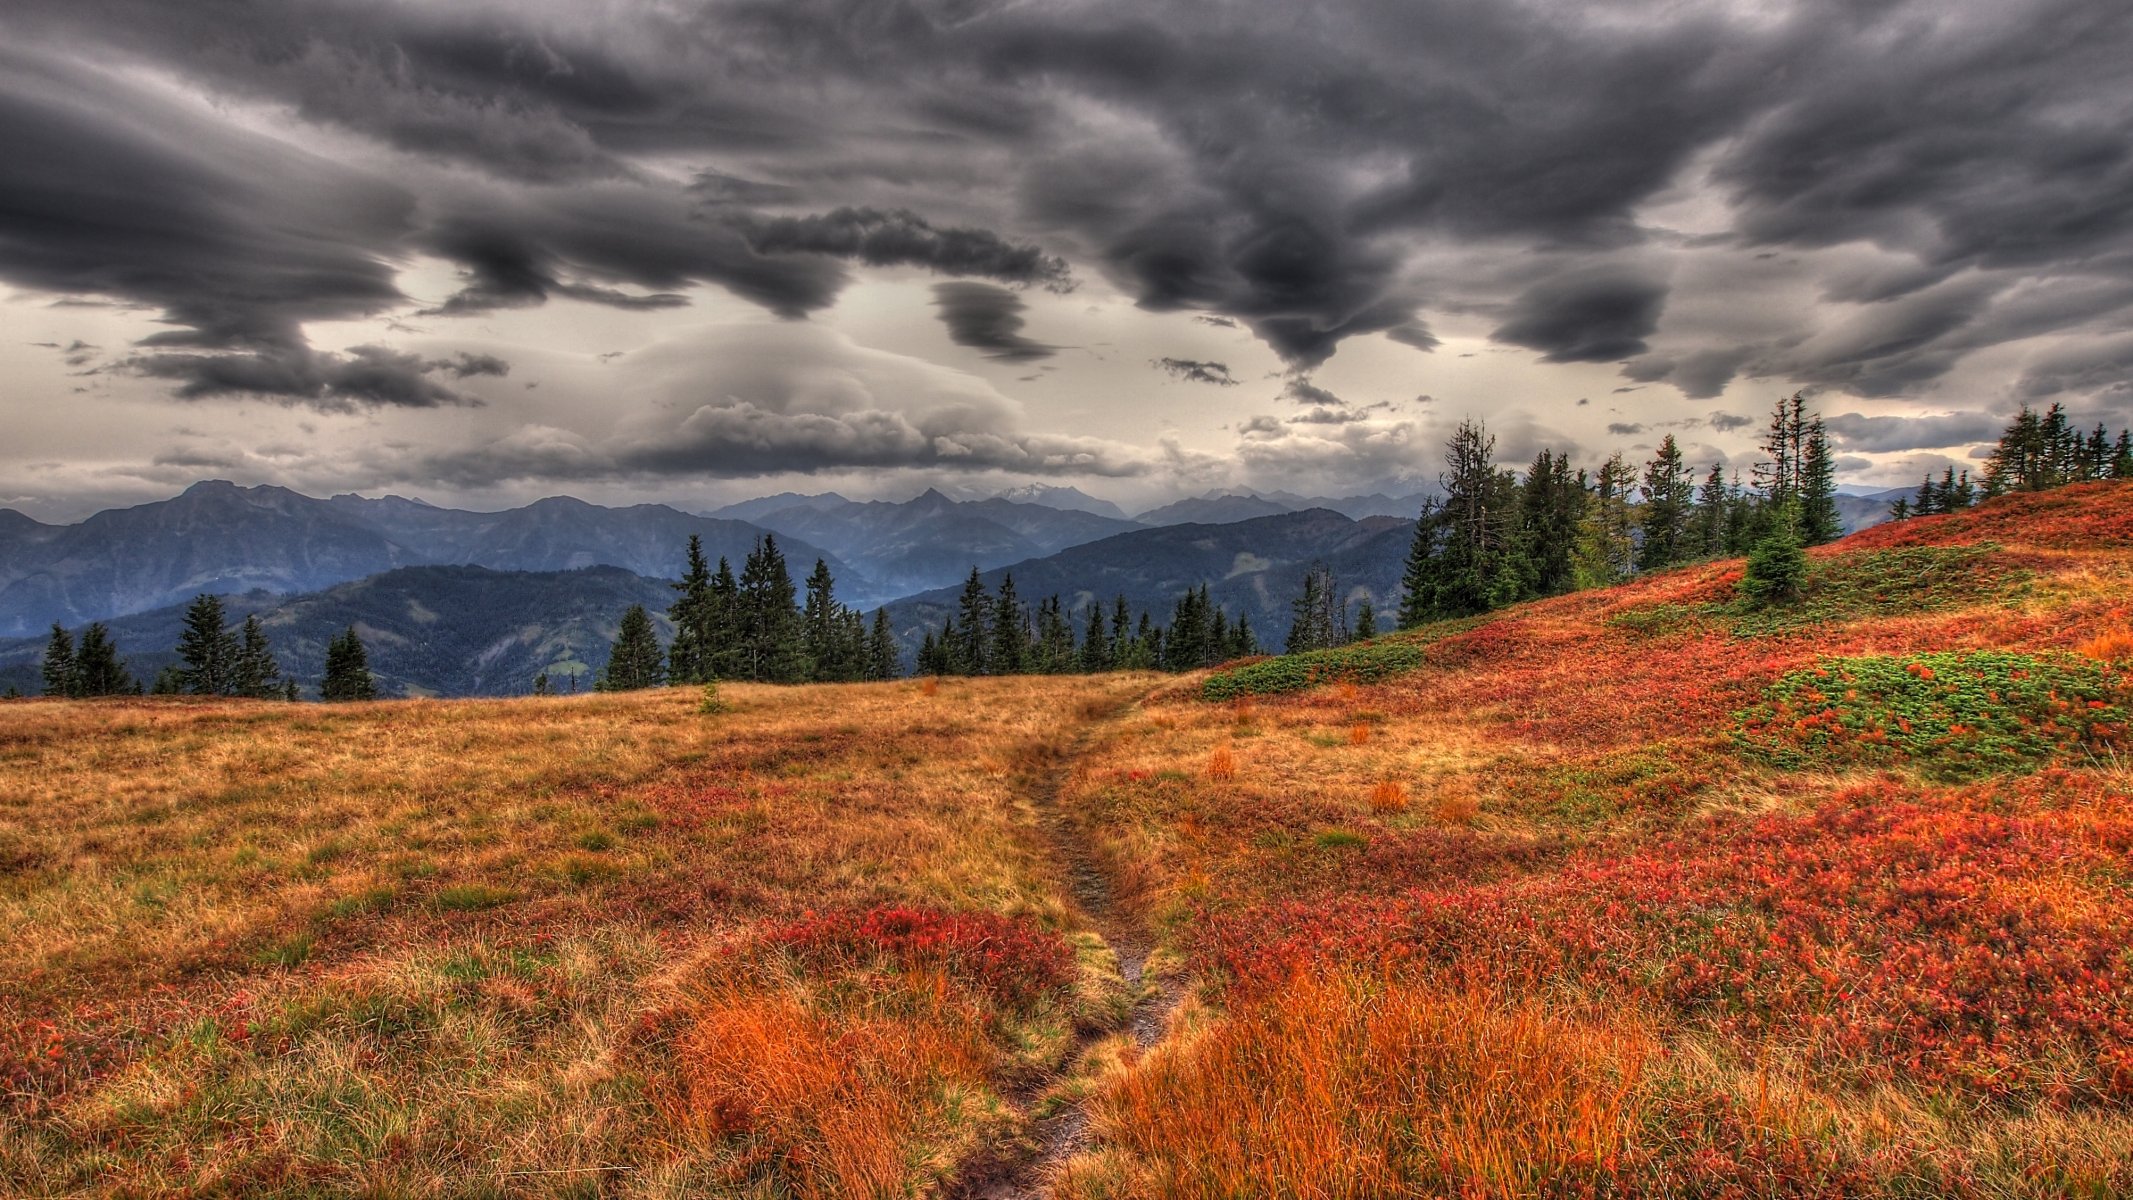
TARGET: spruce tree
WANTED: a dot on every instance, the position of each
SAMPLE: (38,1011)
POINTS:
(207,649)
(1777,570)
(1668,501)
(689,659)
(59,676)
(772,646)
(1476,516)
(1820,521)
(821,618)
(1606,552)
(97,668)
(636,660)
(1122,635)
(256,673)
(1312,623)
(1009,654)
(347,670)
(1243,643)
(969,652)
(882,659)
(1095,643)
(1707,529)
(1418,578)
(1366,622)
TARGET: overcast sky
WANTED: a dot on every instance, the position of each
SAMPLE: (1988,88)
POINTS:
(691,252)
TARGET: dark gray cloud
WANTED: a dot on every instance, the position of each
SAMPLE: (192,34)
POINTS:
(1303,391)
(1624,429)
(1193,370)
(1591,316)
(365,376)
(1726,422)
(987,318)
(1853,431)
(901,238)
(1308,173)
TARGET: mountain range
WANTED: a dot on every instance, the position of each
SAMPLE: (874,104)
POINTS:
(429,631)
(218,537)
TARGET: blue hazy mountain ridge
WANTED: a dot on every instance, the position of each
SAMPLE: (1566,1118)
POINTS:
(429,630)
(219,537)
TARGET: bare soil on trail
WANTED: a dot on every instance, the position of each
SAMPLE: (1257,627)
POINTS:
(1023,1169)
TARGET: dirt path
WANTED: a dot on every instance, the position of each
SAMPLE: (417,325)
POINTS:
(1024,1170)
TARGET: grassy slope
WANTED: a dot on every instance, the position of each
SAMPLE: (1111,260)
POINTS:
(1550,915)
(1542,914)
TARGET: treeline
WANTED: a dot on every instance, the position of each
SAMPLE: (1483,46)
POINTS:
(214,659)
(1495,538)
(2035,453)
(999,634)
(751,627)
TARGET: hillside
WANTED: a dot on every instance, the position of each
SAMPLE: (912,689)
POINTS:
(1635,892)
(1252,568)
(429,631)
(218,537)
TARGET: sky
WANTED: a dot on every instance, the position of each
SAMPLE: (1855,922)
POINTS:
(691,252)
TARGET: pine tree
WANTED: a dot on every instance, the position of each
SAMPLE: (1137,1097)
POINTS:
(255,674)
(882,659)
(1185,643)
(1418,579)
(635,661)
(969,651)
(347,670)
(2122,455)
(1606,552)
(207,649)
(931,660)
(1901,510)
(1366,622)
(1122,636)
(1009,654)
(1707,530)
(771,645)
(60,678)
(1243,643)
(1668,501)
(1476,516)
(170,681)
(1820,521)
(1095,644)
(1312,625)
(541,685)
(820,618)
(1550,506)
(722,642)
(97,668)
(689,659)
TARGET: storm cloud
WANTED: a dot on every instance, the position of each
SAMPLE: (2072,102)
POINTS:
(1899,202)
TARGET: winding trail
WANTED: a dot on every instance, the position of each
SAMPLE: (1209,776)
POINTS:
(1023,1169)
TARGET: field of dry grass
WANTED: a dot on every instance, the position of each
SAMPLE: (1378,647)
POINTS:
(1627,893)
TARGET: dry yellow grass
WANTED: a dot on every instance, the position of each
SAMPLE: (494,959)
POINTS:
(430,948)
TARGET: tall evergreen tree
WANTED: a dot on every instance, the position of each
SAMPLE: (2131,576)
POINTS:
(1366,622)
(689,659)
(256,673)
(60,678)
(1185,644)
(1550,507)
(771,645)
(822,617)
(1707,529)
(1095,643)
(347,670)
(636,660)
(1418,578)
(207,649)
(1243,643)
(1668,507)
(1312,624)
(882,659)
(1009,654)
(1820,521)
(969,652)
(1122,636)
(1606,552)
(98,670)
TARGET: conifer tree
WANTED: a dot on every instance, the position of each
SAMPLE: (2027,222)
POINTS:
(1217,636)
(767,630)
(882,661)
(931,661)
(1122,635)
(1418,578)
(1312,623)
(60,678)
(1667,509)
(1550,506)
(256,673)
(821,618)
(541,685)
(347,670)
(1707,532)
(1777,569)
(98,670)
(1009,654)
(1243,643)
(1185,643)
(635,661)
(1606,552)
(1820,521)
(207,649)
(689,659)
(969,652)
(1366,622)
(1095,643)
(170,681)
